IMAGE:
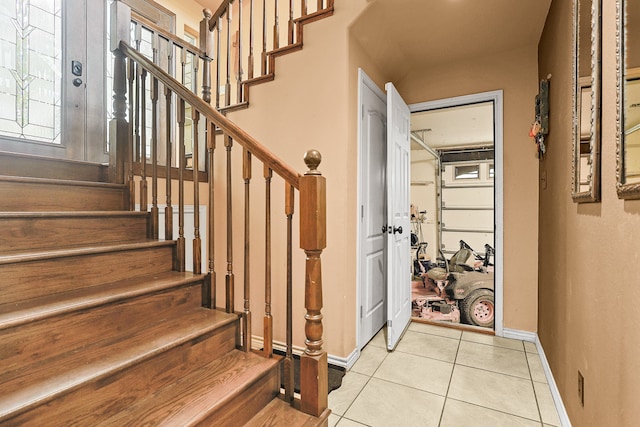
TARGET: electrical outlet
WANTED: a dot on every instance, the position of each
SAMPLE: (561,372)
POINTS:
(581,388)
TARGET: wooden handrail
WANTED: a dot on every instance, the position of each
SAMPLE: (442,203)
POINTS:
(221,10)
(139,19)
(227,126)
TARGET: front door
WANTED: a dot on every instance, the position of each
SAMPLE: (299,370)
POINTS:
(398,217)
(47,76)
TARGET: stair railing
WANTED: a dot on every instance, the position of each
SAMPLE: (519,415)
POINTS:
(128,145)
(247,37)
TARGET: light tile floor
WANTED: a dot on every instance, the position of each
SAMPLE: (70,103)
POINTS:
(443,377)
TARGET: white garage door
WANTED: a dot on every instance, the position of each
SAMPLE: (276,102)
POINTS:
(467,205)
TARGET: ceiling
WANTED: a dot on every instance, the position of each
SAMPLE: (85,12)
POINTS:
(401,35)
(467,125)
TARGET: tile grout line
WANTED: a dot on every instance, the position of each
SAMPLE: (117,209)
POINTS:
(453,368)
(535,394)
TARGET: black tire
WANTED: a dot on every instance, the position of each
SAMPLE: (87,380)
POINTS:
(478,308)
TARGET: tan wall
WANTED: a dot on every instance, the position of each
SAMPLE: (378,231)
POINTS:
(589,293)
(515,73)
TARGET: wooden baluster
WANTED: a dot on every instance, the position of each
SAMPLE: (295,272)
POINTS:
(229,279)
(119,129)
(313,362)
(227,86)
(132,138)
(168,210)
(205,46)
(290,26)
(197,243)
(153,225)
(154,159)
(320,5)
(264,38)
(240,71)
(219,23)
(268,319)
(250,60)
(180,258)
(289,194)
(138,41)
(211,146)
(143,142)
(246,172)
(303,7)
(276,26)
(195,64)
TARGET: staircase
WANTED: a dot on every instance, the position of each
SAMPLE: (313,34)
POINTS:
(97,328)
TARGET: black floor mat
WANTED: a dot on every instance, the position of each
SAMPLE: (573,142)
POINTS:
(335,373)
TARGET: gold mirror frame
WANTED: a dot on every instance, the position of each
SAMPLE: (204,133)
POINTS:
(592,192)
(625,190)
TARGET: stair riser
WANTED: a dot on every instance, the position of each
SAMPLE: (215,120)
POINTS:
(35,197)
(241,409)
(29,344)
(17,165)
(42,233)
(114,394)
(26,280)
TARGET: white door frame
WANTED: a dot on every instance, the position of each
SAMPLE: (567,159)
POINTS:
(363,81)
(497,98)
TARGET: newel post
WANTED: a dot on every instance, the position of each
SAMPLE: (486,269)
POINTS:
(313,239)
(119,132)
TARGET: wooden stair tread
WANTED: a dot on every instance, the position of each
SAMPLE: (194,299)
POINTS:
(37,385)
(279,413)
(27,256)
(192,397)
(15,314)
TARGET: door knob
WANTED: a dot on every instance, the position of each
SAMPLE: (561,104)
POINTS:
(77,82)
(384,228)
(397,230)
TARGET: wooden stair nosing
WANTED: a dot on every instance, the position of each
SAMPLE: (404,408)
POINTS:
(57,181)
(315,16)
(81,251)
(16,314)
(72,214)
(278,413)
(204,391)
(111,358)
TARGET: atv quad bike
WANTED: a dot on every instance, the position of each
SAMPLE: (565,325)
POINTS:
(463,292)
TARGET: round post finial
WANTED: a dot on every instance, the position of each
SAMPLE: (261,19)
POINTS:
(207,13)
(312,159)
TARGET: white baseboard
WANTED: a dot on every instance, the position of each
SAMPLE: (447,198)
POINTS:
(555,393)
(517,334)
(343,362)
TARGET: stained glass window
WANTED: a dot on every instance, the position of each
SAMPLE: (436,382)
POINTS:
(30,69)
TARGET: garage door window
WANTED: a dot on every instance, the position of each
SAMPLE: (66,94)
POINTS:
(467,172)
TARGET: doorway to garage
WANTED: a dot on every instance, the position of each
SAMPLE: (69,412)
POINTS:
(453,212)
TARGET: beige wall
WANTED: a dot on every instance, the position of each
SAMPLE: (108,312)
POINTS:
(589,293)
(514,72)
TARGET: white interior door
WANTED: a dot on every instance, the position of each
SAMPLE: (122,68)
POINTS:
(398,217)
(372,309)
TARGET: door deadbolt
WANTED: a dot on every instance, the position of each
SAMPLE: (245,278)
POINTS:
(76,68)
